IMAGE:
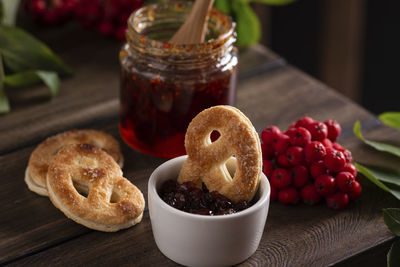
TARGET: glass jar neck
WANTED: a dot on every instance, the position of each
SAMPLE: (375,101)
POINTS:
(150,28)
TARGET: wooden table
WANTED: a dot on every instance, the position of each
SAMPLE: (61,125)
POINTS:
(33,231)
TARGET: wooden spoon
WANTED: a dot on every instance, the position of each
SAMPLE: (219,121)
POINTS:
(193,30)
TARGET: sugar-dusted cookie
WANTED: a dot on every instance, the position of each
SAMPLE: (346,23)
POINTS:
(207,160)
(86,184)
(35,174)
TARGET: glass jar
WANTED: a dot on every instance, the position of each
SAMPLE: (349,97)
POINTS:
(163,85)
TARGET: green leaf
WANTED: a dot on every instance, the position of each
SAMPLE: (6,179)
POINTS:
(377,145)
(22,78)
(1,12)
(391,118)
(10,9)
(224,6)
(4,104)
(385,174)
(50,78)
(248,26)
(22,52)
(393,256)
(391,216)
(274,2)
(394,190)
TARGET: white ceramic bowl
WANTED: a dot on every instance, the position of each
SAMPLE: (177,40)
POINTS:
(198,240)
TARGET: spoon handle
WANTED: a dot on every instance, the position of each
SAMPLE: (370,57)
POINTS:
(194,28)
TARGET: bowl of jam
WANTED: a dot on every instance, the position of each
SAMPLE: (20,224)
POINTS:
(190,198)
(195,227)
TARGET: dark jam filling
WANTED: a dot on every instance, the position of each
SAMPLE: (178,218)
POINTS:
(189,198)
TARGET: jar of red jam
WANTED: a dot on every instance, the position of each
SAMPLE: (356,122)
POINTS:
(164,85)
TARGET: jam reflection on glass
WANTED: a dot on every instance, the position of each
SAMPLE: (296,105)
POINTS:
(189,198)
(155,113)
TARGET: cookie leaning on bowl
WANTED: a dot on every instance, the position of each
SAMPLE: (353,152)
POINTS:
(207,160)
(35,174)
(112,202)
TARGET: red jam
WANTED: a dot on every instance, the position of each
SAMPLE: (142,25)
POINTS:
(189,198)
(155,114)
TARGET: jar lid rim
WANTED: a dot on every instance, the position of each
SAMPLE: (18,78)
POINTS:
(211,44)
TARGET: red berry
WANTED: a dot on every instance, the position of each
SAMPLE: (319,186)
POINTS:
(329,149)
(120,33)
(268,168)
(318,130)
(355,191)
(281,179)
(337,146)
(113,11)
(334,129)
(337,201)
(334,161)
(51,12)
(324,184)
(310,195)
(326,142)
(348,156)
(299,176)
(349,167)
(281,143)
(105,28)
(315,151)
(295,155)
(269,134)
(292,125)
(318,168)
(51,17)
(92,13)
(38,6)
(267,151)
(304,122)
(344,181)
(282,161)
(289,196)
(70,4)
(274,193)
(299,136)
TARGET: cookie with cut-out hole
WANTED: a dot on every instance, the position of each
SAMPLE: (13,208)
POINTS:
(35,173)
(207,160)
(86,184)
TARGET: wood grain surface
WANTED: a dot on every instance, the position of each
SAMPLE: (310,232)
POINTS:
(33,232)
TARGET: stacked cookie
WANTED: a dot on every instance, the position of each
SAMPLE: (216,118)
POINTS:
(80,170)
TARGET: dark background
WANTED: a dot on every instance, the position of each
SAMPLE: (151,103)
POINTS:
(351,45)
(366,38)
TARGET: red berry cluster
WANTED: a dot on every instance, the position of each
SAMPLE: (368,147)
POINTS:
(305,162)
(51,12)
(108,17)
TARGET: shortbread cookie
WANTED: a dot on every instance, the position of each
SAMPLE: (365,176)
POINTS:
(207,160)
(109,201)
(35,174)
